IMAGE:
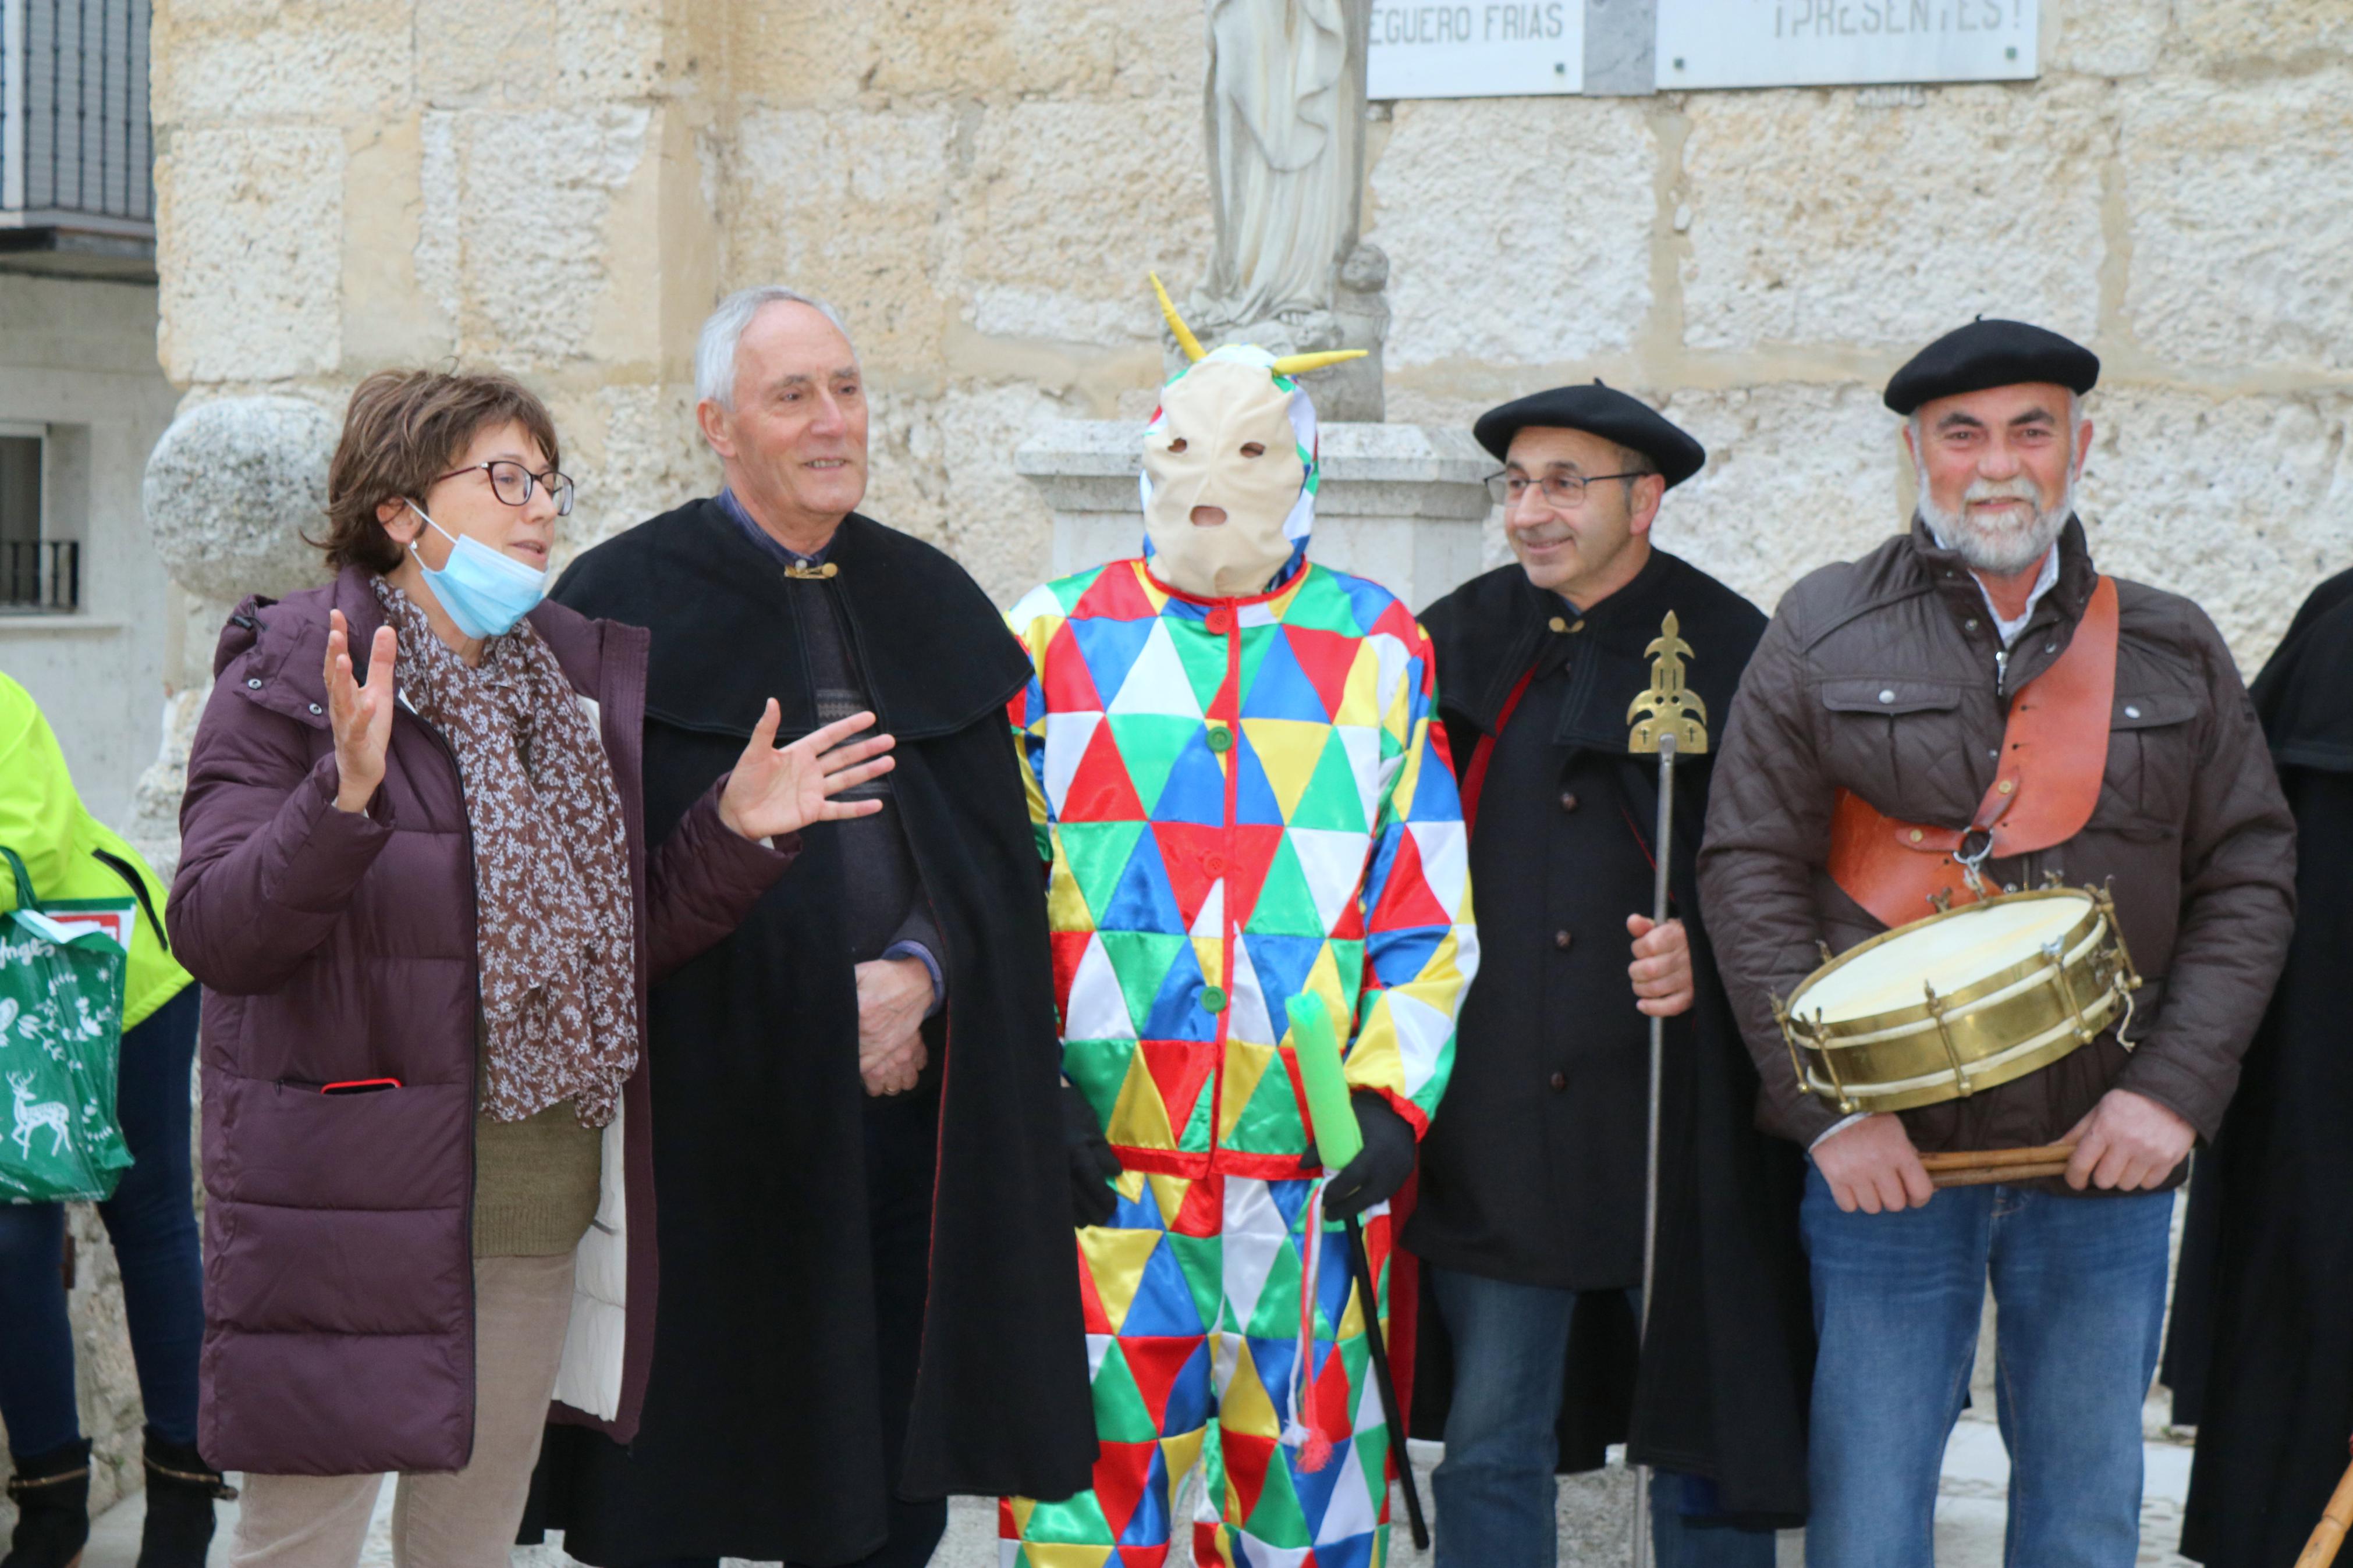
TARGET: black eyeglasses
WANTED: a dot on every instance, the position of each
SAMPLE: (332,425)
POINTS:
(1563,492)
(513,483)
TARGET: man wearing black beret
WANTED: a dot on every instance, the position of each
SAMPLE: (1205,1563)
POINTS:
(1900,701)
(1530,1217)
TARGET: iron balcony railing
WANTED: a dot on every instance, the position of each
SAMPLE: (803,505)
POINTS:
(40,575)
(76,147)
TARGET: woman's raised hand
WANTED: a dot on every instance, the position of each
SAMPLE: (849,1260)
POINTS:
(360,715)
(782,789)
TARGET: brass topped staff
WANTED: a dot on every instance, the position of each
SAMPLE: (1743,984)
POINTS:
(1668,719)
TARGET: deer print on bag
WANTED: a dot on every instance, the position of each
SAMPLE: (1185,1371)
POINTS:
(31,1118)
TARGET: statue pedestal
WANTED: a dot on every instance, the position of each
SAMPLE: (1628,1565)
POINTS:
(1400,504)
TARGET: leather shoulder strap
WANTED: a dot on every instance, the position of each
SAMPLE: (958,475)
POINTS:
(2054,750)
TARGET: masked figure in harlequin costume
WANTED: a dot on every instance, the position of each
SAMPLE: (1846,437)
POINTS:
(1238,784)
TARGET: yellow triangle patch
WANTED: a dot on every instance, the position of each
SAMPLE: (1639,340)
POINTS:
(1245,1065)
(1115,1260)
(1288,749)
(1247,1408)
(1138,1119)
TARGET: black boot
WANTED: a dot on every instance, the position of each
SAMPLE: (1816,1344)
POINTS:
(52,1493)
(181,1491)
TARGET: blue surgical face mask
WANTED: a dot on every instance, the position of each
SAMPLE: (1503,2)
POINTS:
(486,591)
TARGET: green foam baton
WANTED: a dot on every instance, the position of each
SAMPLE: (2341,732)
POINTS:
(1337,1139)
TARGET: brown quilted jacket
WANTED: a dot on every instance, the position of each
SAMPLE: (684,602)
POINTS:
(1880,676)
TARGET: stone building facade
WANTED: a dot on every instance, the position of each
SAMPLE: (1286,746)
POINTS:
(561,187)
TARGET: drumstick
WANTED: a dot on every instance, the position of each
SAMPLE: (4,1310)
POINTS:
(1987,1176)
(1985,1167)
(2329,1533)
(1971,1159)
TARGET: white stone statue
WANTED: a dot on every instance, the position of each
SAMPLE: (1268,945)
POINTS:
(1285,136)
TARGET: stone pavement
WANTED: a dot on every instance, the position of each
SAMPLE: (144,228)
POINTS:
(1593,1514)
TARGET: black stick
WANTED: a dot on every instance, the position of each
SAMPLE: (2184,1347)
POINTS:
(1362,1267)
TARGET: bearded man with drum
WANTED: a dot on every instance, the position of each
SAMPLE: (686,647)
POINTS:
(1895,720)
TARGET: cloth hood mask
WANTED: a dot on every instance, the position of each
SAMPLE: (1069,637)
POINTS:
(1239,395)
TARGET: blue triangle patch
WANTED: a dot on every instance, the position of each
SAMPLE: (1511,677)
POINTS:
(1177,1011)
(1110,649)
(1196,790)
(1281,689)
(1144,900)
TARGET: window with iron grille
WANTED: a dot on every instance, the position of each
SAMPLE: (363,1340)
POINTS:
(75,147)
(39,570)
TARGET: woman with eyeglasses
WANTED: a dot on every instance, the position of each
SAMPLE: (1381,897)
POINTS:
(415,886)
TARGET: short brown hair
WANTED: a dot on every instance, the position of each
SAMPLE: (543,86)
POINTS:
(402,430)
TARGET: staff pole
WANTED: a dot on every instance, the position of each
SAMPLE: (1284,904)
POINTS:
(1660,845)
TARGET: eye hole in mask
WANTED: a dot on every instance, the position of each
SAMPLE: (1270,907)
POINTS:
(1177,445)
(1253,449)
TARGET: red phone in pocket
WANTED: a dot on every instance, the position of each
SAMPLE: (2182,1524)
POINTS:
(359,1086)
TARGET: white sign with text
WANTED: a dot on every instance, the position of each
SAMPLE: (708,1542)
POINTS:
(1820,43)
(1505,50)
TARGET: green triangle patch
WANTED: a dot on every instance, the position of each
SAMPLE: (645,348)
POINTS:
(1149,745)
(1097,853)
(1203,655)
(1121,1413)
(1330,799)
(1141,959)
(1285,905)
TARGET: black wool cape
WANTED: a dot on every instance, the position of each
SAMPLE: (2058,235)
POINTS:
(762,1435)
(2260,1357)
(1722,1390)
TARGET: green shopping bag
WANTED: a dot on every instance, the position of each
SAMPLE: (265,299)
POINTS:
(61,974)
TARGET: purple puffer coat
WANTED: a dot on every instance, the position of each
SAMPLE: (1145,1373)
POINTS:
(339,1335)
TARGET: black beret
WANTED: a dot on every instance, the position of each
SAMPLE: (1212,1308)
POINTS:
(1604,411)
(1991,353)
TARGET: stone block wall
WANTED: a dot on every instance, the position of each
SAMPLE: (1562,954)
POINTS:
(561,187)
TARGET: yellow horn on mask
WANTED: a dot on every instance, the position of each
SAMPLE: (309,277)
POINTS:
(1300,364)
(1184,338)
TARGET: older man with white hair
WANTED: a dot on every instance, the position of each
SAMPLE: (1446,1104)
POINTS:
(868,1296)
(1977,694)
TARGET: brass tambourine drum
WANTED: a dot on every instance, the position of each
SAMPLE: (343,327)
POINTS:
(1961,1001)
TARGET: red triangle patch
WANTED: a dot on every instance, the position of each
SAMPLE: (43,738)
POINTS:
(1406,899)
(1099,789)
(1185,848)
(1070,950)
(1178,1069)
(1122,1472)
(1204,1208)
(1325,658)
(1254,844)
(1115,594)
(1397,622)
(1154,1363)
(1069,688)
(1246,1460)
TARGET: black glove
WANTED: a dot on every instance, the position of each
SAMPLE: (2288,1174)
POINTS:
(1093,1167)
(1379,1168)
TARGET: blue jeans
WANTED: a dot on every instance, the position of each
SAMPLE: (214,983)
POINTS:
(151,1221)
(2079,1284)
(1494,1489)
